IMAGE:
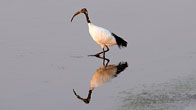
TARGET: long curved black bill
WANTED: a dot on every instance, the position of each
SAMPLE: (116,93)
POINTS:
(75,15)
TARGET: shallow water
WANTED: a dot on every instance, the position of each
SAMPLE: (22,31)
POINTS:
(44,56)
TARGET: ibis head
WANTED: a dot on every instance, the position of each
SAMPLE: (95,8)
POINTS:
(84,10)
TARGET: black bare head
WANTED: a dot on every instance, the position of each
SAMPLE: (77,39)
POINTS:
(83,10)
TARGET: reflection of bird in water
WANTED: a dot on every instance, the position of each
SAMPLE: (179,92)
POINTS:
(103,75)
(102,36)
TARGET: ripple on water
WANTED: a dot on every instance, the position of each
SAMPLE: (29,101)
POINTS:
(173,95)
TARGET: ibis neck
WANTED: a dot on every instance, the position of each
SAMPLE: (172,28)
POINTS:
(87,18)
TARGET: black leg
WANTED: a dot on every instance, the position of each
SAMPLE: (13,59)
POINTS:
(105,51)
(97,55)
(107,48)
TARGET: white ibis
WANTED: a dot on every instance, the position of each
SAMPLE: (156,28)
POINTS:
(102,36)
(102,75)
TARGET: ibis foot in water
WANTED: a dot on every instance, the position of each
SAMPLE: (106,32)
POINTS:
(103,52)
(96,55)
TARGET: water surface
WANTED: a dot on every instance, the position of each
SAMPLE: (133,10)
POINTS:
(43,56)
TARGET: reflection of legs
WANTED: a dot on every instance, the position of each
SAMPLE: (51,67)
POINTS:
(103,53)
(104,60)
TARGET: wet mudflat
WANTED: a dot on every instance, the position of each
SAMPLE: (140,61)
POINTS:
(43,56)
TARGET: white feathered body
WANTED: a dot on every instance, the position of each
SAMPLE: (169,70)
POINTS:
(101,36)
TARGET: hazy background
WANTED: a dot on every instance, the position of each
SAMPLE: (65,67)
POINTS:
(43,56)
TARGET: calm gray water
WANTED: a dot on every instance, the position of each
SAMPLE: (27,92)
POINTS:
(43,56)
